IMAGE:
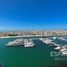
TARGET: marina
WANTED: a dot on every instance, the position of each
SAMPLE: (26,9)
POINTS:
(36,55)
(30,43)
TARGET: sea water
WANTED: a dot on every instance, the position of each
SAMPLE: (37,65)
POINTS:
(38,56)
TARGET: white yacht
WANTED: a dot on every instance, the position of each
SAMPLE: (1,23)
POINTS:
(57,48)
(28,43)
(46,40)
(15,42)
(63,51)
(54,38)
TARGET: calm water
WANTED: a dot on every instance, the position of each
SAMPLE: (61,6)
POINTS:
(38,56)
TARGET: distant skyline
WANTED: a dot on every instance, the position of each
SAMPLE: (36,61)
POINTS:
(33,14)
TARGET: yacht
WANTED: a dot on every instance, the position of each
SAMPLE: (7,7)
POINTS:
(47,41)
(62,38)
(28,43)
(57,48)
(15,42)
(54,38)
(63,51)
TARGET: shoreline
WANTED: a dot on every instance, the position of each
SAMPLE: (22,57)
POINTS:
(17,36)
(10,37)
(26,36)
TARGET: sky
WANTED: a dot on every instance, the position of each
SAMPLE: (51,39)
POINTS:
(33,14)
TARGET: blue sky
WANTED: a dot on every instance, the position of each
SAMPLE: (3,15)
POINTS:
(33,14)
